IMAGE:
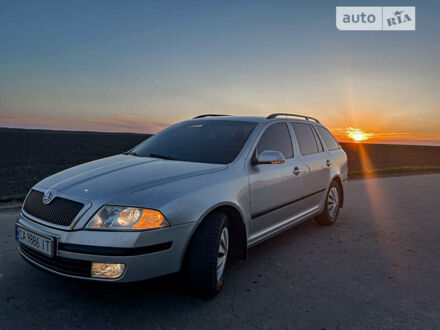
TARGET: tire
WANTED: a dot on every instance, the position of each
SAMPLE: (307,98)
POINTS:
(205,254)
(332,205)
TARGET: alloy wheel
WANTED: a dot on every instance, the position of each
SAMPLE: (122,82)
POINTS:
(222,252)
(333,202)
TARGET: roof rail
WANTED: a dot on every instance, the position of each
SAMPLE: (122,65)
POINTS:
(209,115)
(274,115)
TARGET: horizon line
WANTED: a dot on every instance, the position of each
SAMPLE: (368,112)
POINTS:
(427,143)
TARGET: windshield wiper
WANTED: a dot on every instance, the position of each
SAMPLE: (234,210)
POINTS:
(132,153)
(162,157)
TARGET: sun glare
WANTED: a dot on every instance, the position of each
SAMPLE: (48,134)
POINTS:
(357,135)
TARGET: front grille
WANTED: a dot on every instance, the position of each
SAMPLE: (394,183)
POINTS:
(62,265)
(59,211)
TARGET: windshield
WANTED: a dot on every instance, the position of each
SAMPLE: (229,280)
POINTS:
(202,141)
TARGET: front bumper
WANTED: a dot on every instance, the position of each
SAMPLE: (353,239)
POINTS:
(146,254)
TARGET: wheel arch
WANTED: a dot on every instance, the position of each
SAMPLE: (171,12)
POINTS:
(238,239)
(338,180)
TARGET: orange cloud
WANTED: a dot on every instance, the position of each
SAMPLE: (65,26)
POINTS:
(350,134)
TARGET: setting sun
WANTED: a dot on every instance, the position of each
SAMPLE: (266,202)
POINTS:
(357,135)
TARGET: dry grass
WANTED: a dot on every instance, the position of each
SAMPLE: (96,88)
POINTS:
(13,198)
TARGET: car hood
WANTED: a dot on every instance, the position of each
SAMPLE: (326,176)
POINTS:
(109,178)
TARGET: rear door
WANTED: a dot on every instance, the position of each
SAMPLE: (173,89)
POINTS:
(317,161)
(273,187)
(338,157)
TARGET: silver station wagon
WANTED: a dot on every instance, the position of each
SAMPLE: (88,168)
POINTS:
(186,199)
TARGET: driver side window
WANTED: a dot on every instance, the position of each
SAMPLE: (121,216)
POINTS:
(276,137)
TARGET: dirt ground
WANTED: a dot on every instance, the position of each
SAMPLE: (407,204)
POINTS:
(375,268)
(31,155)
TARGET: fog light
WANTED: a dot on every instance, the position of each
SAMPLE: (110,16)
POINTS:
(106,270)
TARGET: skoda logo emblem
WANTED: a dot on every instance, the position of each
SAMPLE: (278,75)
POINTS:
(48,196)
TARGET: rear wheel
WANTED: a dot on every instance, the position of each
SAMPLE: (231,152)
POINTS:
(332,205)
(207,255)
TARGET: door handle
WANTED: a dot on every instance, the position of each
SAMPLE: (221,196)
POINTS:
(328,163)
(296,170)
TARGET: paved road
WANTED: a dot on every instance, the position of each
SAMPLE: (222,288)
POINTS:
(377,267)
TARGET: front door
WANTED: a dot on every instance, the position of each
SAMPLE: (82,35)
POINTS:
(274,187)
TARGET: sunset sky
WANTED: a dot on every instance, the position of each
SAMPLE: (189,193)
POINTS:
(132,66)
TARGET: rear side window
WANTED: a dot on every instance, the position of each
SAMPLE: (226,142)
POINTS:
(328,138)
(318,141)
(276,137)
(306,138)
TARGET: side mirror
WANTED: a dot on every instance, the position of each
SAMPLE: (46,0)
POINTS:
(269,157)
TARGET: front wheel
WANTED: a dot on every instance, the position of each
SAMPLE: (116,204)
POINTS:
(332,205)
(207,255)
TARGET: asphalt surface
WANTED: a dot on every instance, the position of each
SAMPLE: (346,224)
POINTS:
(377,267)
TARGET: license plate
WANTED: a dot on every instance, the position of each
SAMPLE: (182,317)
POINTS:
(38,242)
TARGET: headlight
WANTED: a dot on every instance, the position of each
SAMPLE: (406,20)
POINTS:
(127,218)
